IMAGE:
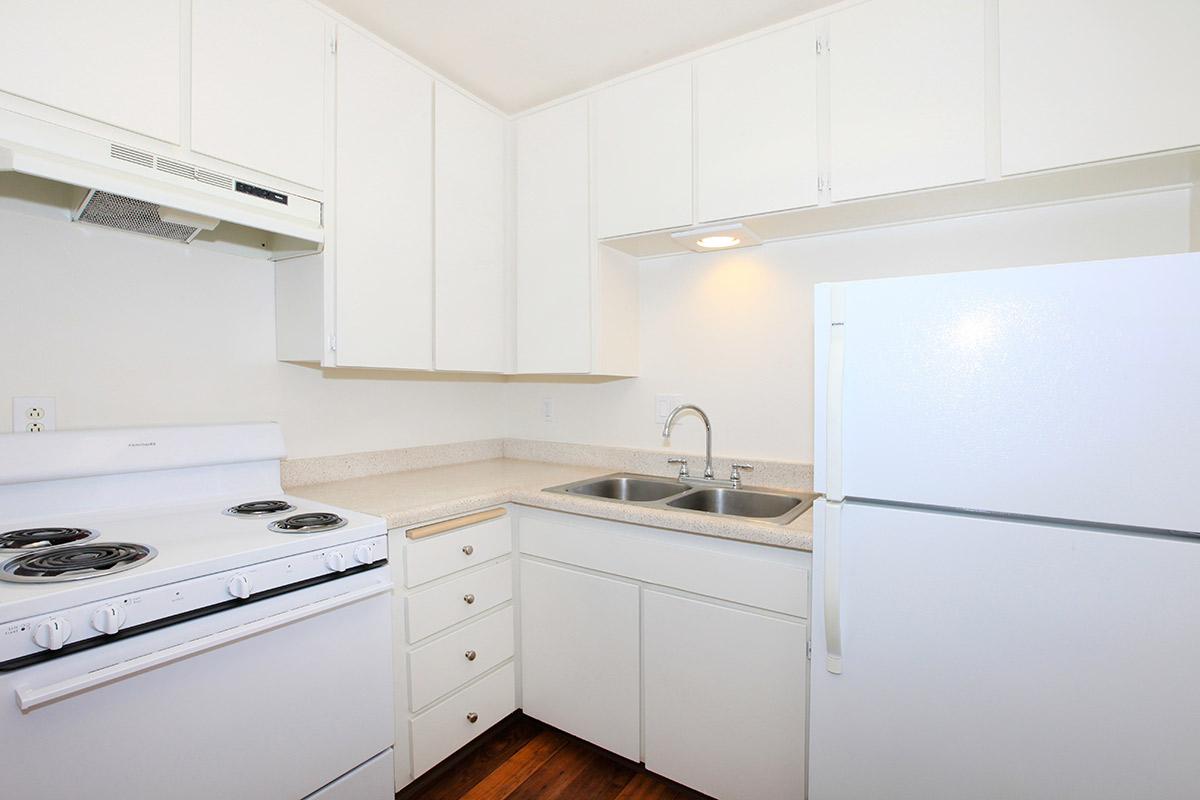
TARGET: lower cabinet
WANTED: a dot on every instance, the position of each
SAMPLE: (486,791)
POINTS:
(685,652)
(455,636)
(580,655)
(724,697)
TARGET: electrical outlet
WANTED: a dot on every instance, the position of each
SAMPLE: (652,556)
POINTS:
(664,404)
(547,409)
(33,414)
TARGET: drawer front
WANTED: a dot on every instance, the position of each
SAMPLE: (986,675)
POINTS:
(437,556)
(447,726)
(442,666)
(754,575)
(441,606)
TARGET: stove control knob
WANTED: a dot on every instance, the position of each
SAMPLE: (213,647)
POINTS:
(365,554)
(239,586)
(108,619)
(52,633)
(336,562)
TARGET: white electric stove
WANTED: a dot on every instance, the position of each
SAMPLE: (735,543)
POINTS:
(162,600)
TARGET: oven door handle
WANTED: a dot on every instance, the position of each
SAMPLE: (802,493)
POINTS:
(31,698)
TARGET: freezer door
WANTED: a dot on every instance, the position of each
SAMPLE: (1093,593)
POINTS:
(986,659)
(1066,392)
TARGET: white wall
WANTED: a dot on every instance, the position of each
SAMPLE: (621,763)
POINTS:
(130,331)
(732,331)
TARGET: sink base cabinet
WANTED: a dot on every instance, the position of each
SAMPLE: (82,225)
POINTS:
(580,653)
(702,641)
(725,696)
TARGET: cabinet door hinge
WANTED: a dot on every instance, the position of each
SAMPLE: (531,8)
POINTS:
(332,343)
(809,652)
(822,45)
(333,45)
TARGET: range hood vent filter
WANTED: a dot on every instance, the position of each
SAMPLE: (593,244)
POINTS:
(127,214)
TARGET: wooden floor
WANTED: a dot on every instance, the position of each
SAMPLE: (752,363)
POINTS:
(523,759)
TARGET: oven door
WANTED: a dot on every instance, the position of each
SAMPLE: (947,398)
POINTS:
(273,699)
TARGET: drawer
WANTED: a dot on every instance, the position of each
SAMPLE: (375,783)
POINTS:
(438,607)
(754,575)
(447,726)
(442,666)
(439,555)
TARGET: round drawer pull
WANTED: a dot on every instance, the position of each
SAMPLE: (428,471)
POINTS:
(470,654)
(472,717)
(468,598)
(468,550)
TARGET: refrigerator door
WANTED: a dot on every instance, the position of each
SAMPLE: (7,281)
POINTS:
(984,658)
(1065,392)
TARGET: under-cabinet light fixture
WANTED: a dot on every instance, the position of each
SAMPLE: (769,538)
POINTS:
(717,237)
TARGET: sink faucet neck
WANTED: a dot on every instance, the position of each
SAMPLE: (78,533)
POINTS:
(666,432)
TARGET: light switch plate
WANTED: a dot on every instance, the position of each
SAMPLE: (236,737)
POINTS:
(33,414)
(664,404)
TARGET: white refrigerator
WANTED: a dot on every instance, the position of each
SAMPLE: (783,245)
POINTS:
(1006,593)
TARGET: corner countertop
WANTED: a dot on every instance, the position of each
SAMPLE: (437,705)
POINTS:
(420,495)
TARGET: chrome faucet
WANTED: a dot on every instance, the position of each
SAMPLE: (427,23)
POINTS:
(708,469)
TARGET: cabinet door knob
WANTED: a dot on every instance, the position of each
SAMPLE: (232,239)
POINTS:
(470,654)
(472,717)
(468,549)
(468,598)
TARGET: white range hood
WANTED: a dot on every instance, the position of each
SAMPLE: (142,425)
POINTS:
(143,192)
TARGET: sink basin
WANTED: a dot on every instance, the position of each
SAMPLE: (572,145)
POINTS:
(739,503)
(776,507)
(629,489)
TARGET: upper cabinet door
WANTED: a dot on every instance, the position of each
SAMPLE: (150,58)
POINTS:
(469,157)
(1088,80)
(383,208)
(554,242)
(258,86)
(906,96)
(756,125)
(644,152)
(117,63)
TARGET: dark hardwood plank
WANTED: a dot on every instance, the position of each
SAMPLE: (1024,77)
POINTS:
(646,786)
(524,759)
(508,777)
(552,778)
(602,779)
(493,752)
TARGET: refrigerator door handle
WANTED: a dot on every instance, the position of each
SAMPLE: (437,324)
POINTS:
(834,388)
(833,593)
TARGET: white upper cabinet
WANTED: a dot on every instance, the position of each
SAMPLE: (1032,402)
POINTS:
(1088,80)
(906,96)
(258,85)
(117,63)
(468,182)
(756,125)
(554,244)
(643,152)
(382,242)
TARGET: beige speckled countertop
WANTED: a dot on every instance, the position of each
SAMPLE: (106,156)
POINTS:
(420,495)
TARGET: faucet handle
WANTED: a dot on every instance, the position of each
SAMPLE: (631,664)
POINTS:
(683,467)
(735,474)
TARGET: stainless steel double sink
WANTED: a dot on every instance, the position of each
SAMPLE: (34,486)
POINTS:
(764,505)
